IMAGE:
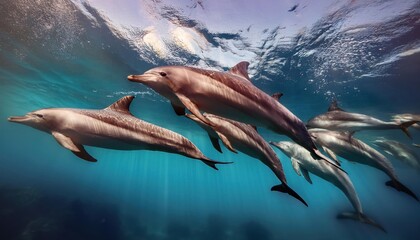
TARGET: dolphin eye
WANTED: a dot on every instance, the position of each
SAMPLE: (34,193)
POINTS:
(39,115)
(163,74)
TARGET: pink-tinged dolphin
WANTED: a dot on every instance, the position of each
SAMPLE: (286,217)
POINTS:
(227,94)
(346,146)
(244,138)
(303,164)
(113,127)
(337,119)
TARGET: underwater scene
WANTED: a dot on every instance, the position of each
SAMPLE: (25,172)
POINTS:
(195,119)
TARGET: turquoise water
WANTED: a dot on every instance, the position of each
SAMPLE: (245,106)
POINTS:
(54,55)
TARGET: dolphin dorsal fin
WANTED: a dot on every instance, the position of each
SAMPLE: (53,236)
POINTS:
(122,105)
(334,106)
(241,69)
(277,96)
(254,127)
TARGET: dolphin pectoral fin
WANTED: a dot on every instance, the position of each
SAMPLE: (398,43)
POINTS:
(84,155)
(210,131)
(65,141)
(192,107)
(305,174)
(401,188)
(284,188)
(75,148)
(226,142)
(215,143)
(359,217)
(180,111)
(300,171)
(331,154)
(295,165)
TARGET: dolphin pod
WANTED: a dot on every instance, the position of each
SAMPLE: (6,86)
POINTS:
(113,127)
(247,140)
(400,151)
(227,94)
(233,108)
(303,163)
(345,145)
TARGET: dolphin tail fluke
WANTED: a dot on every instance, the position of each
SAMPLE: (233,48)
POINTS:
(404,127)
(212,163)
(284,188)
(359,217)
(401,188)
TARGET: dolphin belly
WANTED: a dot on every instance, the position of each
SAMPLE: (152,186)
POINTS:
(108,142)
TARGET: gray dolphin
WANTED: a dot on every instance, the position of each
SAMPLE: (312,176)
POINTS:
(227,94)
(245,138)
(303,163)
(339,120)
(407,117)
(113,127)
(345,145)
(400,151)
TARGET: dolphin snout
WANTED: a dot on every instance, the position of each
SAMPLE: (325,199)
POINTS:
(148,76)
(140,78)
(17,118)
(131,77)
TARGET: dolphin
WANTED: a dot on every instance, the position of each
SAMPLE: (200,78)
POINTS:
(303,163)
(346,146)
(400,151)
(113,127)
(407,117)
(416,145)
(227,94)
(245,138)
(339,120)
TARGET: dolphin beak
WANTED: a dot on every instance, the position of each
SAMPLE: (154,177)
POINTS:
(132,77)
(18,119)
(140,78)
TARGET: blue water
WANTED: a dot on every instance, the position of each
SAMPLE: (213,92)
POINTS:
(53,55)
